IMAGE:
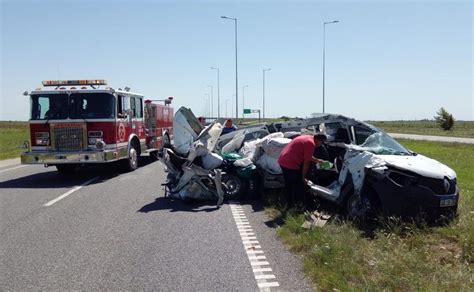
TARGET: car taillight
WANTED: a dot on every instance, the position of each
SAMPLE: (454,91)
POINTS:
(42,138)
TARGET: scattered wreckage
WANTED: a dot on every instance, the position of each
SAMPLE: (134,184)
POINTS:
(369,172)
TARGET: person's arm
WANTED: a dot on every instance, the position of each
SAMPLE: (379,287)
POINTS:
(317,160)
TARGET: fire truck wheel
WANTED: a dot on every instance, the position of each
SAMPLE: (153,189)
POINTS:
(65,168)
(131,163)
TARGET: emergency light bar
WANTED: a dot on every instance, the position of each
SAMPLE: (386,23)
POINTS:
(74,82)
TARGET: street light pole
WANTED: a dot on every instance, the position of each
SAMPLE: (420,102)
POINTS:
(236,75)
(208,105)
(264,90)
(324,56)
(212,100)
(226,107)
(243,99)
(218,93)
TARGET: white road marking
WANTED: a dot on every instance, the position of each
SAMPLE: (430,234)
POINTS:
(258,260)
(257,257)
(5,170)
(252,252)
(260,263)
(251,246)
(259,270)
(69,192)
(268,284)
(248,237)
(260,277)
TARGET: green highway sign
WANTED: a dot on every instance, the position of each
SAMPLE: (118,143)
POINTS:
(247,111)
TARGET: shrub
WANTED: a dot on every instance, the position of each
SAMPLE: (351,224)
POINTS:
(444,119)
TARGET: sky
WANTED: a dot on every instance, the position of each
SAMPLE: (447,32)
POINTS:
(385,60)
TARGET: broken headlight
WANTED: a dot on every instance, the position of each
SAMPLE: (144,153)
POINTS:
(401,178)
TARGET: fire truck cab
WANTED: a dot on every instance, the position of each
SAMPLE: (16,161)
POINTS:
(79,122)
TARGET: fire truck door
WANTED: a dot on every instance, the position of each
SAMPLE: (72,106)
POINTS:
(138,127)
(125,118)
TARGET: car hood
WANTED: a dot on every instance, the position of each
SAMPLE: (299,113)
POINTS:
(420,164)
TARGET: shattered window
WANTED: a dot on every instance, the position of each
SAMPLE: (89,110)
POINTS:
(381,143)
(361,134)
(337,133)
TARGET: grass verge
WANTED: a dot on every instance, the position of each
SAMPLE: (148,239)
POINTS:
(12,135)
(460,129)
(397,255)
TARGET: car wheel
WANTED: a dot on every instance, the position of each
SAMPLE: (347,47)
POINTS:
(363,206)
(234,187)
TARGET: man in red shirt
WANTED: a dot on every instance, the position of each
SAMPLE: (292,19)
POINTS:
(295,160)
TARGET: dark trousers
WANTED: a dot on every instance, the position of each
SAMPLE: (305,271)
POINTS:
(295,188)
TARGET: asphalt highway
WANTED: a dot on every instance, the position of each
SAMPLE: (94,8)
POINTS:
(105,230)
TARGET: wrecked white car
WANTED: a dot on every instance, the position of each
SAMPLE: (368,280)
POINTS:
(373,173)
(197,170)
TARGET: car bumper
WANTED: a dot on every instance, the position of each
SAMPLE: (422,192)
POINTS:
(414,200)
(83,157)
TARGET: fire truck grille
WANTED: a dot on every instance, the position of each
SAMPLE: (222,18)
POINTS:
(68,139)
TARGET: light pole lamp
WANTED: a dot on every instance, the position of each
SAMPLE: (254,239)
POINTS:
(218,93)
(212,100)
(236,74)
(264,70)
(324,56)
(243,99)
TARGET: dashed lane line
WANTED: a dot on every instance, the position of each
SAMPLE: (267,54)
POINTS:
(258,261)
(50,203)
(8,169)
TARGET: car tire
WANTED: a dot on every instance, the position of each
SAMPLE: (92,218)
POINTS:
(235,187)
(363,206)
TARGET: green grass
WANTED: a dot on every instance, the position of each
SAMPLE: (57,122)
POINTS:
(397,255)
(460,129)
(12,135)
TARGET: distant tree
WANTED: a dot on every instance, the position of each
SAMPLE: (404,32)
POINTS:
(444,119)
(284,118)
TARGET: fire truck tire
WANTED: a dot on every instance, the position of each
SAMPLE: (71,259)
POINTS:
(131,162)
(66,168)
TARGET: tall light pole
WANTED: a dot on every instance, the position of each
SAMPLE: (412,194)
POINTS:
(218,93)
(243,99)
(236,75)
(324,54)
(264,90)
(212,100)
(208,105)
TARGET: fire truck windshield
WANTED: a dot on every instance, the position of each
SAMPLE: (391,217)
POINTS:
(73,106)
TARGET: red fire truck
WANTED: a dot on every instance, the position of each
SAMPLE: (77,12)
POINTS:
(79,122)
